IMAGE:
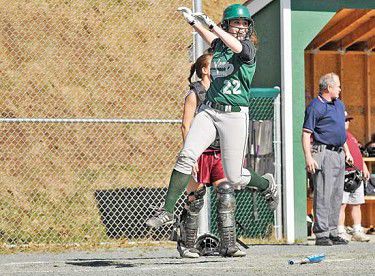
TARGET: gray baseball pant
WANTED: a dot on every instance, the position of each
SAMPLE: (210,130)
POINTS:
(328,182)
(232,128)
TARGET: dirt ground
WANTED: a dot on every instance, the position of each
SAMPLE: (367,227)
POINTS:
(164,260)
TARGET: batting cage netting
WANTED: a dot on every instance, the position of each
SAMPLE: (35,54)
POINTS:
(91,101)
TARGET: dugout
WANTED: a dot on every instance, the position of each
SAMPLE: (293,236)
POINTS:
(299,41)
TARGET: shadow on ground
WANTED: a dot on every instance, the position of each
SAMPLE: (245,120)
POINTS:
(122,262)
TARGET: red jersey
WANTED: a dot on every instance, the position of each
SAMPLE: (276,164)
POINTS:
(354,151)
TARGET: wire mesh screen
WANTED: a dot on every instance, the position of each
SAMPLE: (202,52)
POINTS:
(65,182)
(69,178)
(89,58)
(254,219)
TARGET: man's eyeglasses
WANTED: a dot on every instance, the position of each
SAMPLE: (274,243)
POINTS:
(347,120)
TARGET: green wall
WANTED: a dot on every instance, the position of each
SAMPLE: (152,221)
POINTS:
(308,18)
(305,26)
(267,26)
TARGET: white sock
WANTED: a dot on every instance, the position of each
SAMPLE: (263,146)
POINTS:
(357,228)
(341,229)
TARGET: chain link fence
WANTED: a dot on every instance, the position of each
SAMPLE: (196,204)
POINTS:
(72,71)
(92,94)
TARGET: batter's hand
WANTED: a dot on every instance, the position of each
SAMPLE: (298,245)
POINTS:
(195,171)
(188,15)
(205,20)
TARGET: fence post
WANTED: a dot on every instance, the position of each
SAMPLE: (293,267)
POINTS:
(278,160)
(204,217)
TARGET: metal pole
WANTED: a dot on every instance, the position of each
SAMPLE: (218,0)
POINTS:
(198,41)
(204,214)
(278,176)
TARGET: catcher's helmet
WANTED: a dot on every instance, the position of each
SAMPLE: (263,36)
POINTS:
(237,11)
(353,180)
(208,245)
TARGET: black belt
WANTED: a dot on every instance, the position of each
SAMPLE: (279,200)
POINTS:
(334,148)
(222,107)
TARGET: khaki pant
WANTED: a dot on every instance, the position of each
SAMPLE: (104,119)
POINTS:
(328,182)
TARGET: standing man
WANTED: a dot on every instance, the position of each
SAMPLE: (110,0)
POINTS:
(324,124)
(356,198)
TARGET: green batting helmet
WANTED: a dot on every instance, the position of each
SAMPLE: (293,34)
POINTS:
(236,11)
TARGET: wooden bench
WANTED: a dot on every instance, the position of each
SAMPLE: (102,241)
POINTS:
(368,209)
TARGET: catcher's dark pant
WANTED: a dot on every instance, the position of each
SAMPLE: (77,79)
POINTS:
(328,189)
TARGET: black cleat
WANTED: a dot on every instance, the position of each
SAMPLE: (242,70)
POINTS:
(324,241)
(337,240)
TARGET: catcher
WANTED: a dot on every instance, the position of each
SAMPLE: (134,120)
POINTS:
(208,168)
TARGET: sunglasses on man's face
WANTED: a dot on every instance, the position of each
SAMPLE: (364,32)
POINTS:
(347,120)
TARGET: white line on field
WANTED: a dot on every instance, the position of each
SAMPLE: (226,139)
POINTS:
(30,263)
(27,263)
(337,260)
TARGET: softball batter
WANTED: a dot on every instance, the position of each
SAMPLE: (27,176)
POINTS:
(225,111)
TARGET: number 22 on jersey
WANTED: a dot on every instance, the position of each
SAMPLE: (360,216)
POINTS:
(232,87)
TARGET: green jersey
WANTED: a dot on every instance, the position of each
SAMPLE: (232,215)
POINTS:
(231,74)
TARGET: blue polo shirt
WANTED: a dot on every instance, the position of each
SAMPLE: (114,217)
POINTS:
(326,121)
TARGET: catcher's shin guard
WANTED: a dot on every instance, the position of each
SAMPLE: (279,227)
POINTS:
(189,222)
(226,221)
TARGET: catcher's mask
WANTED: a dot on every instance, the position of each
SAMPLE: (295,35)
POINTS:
(237,11)
(208,245)
(353,179)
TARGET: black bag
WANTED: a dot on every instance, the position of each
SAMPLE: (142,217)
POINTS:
(370,187)
(353,179)
(370,151)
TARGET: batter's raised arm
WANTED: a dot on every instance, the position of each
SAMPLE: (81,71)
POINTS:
(190,18)
(229,40)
